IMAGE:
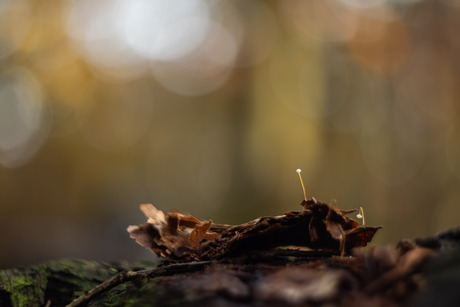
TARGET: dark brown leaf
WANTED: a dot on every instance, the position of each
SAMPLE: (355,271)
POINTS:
(183,238)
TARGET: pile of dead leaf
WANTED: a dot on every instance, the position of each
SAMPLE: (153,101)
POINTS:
(319,226)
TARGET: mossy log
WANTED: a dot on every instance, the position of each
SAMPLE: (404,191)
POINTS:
(416,273)
(57,283)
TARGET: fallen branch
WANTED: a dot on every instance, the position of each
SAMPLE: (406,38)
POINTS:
(126,276)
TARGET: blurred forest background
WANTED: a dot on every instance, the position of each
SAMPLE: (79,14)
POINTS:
(210,106)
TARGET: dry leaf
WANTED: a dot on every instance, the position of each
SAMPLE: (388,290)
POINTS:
(184,238)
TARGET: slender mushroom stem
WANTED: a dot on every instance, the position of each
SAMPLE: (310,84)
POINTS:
(301,182)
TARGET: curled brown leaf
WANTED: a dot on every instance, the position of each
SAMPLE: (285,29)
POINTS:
(183,238)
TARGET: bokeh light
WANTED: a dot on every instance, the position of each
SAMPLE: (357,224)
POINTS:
(23,117)
(160,30)
(203,71)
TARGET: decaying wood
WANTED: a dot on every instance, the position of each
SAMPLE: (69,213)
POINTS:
(285,256)
(382,276)
(420,272)
(319,226)
(126,276)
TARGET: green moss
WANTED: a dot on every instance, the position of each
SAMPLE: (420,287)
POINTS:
(131,295)
(78,276)
(62,281)
(115,297)
(26,287)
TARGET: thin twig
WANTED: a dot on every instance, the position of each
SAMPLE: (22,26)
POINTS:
(125,276)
